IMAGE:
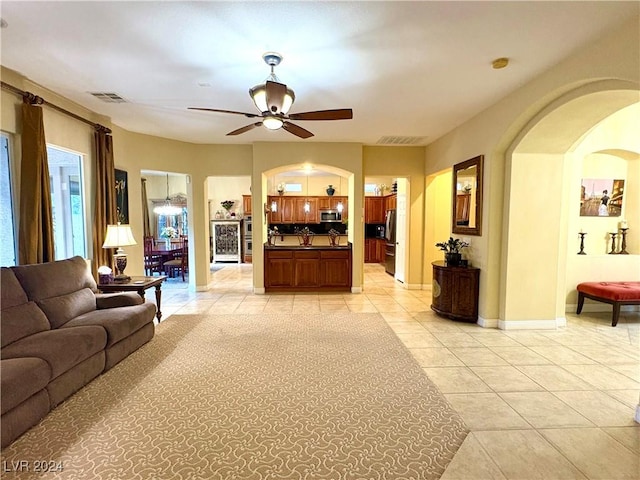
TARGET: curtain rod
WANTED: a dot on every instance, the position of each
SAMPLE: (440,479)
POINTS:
(36,100)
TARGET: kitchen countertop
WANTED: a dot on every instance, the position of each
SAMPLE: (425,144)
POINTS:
(307,247)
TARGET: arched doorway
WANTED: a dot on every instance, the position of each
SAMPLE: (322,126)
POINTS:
(544,166)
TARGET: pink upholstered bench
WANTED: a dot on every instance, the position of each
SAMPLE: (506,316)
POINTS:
(615,293)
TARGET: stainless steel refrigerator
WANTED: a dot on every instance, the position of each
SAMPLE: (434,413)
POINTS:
(390,245)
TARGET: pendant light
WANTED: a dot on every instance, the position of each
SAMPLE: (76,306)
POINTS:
(167,208)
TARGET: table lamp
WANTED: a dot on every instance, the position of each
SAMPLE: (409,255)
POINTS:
(119,236)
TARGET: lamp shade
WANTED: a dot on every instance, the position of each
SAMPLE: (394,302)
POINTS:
(259,96)
(118,236)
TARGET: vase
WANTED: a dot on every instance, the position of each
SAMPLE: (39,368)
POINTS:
(167,242)
(280,192)
(331,190)
(452,259)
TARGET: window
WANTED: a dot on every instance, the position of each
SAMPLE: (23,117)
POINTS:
(67,200)
(7,232)
(292,187)
(370,188)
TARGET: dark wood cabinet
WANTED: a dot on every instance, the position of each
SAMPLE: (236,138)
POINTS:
(374,209)
(307,269)
(391,202)
(374,250)
(291,209)
(455,292)
(335,268)
(279,264)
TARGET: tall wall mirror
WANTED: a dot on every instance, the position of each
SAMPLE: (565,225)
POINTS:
(467,197)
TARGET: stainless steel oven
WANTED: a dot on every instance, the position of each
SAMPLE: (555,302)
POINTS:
(247,236)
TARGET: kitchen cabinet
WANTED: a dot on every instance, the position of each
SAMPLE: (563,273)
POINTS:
(374,250)
(391,202)
(374,209)
(455,292)
(246,204)
(291,209)
(307,269)
(299,214)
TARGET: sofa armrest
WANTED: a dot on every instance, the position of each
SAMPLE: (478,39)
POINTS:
(119,299)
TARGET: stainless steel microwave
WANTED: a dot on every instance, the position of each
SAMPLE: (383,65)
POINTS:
(330,216)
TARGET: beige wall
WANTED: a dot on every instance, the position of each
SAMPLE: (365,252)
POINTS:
(497,131)
(407,162)
(344,158)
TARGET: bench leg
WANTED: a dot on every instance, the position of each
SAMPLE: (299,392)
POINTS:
(580,303)
(616,314)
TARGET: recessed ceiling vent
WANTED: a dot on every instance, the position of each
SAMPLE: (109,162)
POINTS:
(108,97)
(396,140)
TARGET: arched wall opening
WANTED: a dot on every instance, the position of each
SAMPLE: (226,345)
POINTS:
(350,178)
(544,168)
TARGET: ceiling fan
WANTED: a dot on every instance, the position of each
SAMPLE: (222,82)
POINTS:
(274,99)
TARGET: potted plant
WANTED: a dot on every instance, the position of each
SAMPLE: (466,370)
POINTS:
(451,249)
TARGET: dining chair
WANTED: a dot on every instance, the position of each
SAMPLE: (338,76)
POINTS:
(152,263)
(180,262)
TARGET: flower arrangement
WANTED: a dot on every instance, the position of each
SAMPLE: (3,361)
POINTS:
(453,245)
(227,204)
(280,188)
(169,232)
(382,187)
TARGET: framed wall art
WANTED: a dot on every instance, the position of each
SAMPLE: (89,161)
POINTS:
(601,197)
(122,196)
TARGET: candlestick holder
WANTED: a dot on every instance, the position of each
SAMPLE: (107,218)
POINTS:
(582,252)
(613,243)
(623,247)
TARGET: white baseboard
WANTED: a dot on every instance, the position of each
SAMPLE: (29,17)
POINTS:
(356,289)
(412,286)
(488,322)
(637,417)
(202,288)
(258,290)
(531,324)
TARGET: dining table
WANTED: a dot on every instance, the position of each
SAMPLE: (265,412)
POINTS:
(165,252)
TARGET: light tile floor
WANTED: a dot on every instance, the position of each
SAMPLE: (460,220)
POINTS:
(540,404)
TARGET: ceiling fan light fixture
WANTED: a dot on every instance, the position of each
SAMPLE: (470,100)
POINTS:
(259,96)
(272,123)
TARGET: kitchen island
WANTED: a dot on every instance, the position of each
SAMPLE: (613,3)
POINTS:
(312,268)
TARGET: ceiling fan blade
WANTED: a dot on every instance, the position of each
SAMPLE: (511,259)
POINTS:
(337,114)
(296,130)
(275,96)
(249,115)
(245,128)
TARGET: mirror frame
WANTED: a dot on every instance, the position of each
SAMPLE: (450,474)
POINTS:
(478,162)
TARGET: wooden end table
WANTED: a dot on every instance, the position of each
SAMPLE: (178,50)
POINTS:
(137,284)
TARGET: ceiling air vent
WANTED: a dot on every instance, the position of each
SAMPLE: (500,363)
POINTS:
(108,97)
(396,140)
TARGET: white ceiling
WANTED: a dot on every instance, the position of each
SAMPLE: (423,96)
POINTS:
(405,68)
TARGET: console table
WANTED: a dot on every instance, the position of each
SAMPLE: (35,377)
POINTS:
(455,292)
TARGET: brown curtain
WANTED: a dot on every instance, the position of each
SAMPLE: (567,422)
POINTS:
(35,244)
(146,223)
(105,211)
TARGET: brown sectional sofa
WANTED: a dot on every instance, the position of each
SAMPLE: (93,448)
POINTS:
(57,334)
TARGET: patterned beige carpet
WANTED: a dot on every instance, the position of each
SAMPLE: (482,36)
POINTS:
(316,396)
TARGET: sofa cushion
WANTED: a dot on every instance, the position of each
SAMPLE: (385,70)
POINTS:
(21,321)
(118,322)
(11,292)
(62,349)
(20,379)
(52,279)
(59,310)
